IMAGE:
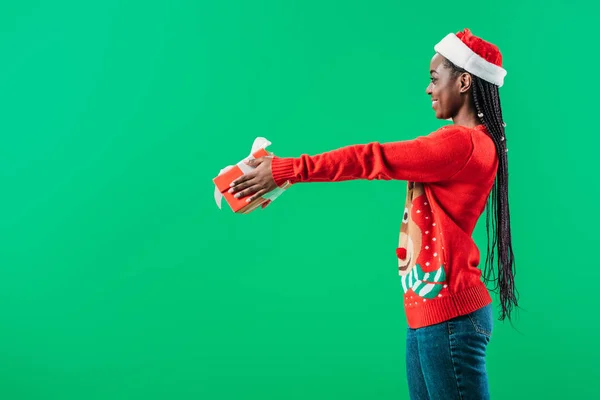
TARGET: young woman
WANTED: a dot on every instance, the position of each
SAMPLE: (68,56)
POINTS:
(451,174)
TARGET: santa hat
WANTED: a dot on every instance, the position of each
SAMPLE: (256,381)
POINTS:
(474,55)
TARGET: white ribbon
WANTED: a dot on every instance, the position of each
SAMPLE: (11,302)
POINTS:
(259,143)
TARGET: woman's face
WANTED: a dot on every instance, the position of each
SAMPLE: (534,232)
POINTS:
(444,89)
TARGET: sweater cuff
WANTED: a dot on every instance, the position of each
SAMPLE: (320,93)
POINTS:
(282,170)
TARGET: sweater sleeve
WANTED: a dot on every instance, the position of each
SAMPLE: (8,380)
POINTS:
(435,157)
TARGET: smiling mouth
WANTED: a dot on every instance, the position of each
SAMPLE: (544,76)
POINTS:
(405,266)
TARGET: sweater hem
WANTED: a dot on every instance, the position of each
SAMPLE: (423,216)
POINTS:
(445,308)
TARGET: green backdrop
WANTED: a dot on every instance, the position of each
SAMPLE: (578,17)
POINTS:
(121,279)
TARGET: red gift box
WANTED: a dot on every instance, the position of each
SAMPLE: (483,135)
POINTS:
(223,182)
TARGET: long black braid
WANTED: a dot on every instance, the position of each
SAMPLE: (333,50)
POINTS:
(486,99)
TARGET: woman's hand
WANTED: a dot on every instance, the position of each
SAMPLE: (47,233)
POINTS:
(256,183)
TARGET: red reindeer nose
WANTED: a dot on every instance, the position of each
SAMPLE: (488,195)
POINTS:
(401,253)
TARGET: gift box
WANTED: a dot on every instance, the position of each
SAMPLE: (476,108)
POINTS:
(230,173)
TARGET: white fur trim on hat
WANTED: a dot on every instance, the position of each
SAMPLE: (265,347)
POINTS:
(462,56)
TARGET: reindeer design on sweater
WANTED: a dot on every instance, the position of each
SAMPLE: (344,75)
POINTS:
(420,249)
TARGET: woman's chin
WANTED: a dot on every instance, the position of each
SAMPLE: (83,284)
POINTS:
(441,116)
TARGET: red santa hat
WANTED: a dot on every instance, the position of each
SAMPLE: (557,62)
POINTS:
(474,55)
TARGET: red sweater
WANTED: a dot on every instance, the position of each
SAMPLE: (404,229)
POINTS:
(450,174)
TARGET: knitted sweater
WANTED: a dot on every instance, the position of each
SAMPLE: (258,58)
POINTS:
(449,174)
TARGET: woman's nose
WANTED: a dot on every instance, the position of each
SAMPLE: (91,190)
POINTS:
(428,89)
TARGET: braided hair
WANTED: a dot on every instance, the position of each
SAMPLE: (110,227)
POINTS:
(486,100)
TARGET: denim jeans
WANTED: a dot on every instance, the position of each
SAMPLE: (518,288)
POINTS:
(447,360)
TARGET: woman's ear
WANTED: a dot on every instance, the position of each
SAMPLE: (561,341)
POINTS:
(465,82)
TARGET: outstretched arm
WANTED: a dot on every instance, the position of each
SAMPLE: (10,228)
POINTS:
(435,157)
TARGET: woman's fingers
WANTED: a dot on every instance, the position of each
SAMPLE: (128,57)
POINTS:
(243,178)
(257,195)
(240,184)
(248,192)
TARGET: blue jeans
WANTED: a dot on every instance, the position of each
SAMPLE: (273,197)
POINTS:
(447,360)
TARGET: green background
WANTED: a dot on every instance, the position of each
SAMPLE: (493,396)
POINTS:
(121,279)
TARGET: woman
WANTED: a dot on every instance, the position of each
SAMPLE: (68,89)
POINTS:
(450,173)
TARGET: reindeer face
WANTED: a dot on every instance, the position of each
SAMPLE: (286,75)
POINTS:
(420,249)
(410,243)
(411,234)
